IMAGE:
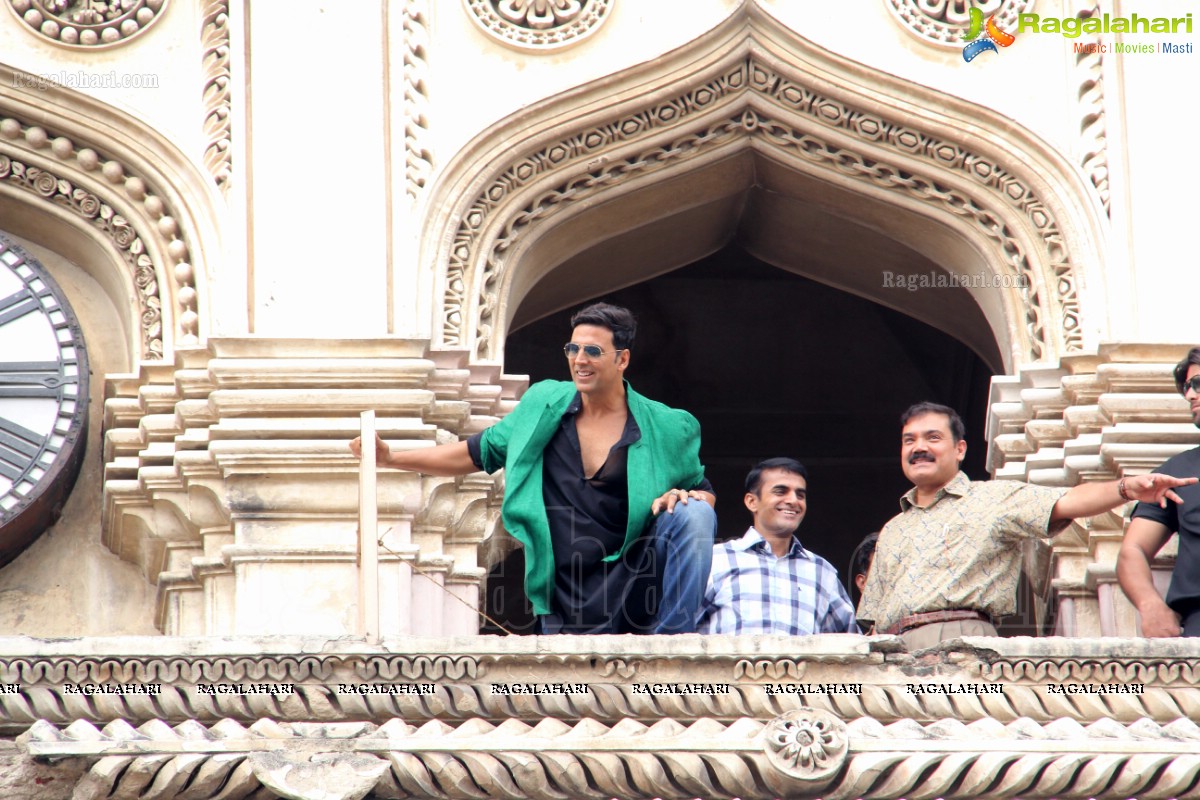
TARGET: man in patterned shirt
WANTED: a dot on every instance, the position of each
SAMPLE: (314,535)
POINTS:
(947,565)
(766,582)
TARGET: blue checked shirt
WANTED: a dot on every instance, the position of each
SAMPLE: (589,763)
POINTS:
(752,591)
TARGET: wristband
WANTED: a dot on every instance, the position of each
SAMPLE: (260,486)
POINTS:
(1121,491)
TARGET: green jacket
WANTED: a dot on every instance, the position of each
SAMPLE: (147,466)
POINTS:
(667,456)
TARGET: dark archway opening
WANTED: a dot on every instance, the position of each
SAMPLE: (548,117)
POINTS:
(772,364)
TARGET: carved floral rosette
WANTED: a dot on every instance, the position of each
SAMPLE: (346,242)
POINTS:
(539,25)
(88,23)
(946,22)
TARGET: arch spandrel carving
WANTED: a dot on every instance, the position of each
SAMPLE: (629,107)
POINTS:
(753,86)
(90,168)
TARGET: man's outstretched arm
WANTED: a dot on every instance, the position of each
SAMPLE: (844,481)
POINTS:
(445,460)
(1090,499)
(1142,542)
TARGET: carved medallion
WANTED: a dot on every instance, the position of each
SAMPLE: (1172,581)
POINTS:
(539,24)
(88,23)
(807,743)
(946,22)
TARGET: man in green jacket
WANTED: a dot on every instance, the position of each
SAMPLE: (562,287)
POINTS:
(604,488)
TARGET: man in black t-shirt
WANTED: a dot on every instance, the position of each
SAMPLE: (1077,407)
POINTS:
(1152,526)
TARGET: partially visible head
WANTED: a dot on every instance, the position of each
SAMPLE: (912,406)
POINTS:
(1185,370)
(777,495)
(860,560)
(619,321)
(932,444)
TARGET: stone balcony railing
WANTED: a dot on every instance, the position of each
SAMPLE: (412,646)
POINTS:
(542,717)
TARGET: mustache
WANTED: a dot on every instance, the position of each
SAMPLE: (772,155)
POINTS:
(920,456)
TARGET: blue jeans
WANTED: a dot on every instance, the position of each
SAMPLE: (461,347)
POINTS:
(666,573)
(683,547)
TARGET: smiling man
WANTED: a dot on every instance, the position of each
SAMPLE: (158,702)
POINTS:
(947,565)
(1153,525)
(603,487)
(766,582)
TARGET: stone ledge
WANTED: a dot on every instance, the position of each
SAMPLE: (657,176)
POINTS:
(604,678)
(805,752)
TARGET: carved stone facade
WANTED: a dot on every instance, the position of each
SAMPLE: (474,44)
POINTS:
(54,154)
(947,22)
(539,25)
(88,24)
(1089,418)
(762,717)
(759,87)
(187,448)
(516,135)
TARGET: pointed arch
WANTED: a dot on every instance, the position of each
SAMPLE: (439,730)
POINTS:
(80,176)
(970,190)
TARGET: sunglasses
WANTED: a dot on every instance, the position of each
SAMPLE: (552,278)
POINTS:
(1193,384)
(590,350)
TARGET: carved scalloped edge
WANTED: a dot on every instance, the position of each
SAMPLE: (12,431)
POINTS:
(665,759)
(125,238)
(946,32)
(572,30)
(1093,125)
(65,32)
(214,38)
(418,158)
(94,202)
(1166,671)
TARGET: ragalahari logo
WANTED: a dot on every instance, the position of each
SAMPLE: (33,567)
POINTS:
(992,36)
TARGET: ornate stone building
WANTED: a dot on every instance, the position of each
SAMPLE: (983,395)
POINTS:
(228,228)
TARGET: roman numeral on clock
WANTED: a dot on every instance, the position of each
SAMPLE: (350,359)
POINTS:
(17,305)
(19,447)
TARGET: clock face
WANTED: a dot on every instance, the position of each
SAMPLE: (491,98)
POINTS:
(43,399)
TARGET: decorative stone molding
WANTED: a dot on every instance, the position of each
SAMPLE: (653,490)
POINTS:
(88,25)
(798,755)
(1093,125)
(1090,418)
(602,679)
(538,25)
(214,38)
(756,85)
(418,158)
(946,22)
(123,183)
(229,474)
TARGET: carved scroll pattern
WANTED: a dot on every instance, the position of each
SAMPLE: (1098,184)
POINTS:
(1093,126)
(540,25)
(581,146)
(629,759)
(418,159)
(945,22)
(214,37)
(463,690)
(88,23)
(1001,185)
(121,232)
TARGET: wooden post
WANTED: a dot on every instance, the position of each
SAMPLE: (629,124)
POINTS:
(368,535)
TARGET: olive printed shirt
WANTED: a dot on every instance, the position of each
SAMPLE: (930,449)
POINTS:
(962,551)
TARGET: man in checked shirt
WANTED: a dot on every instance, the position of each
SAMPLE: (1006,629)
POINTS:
(766,582)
